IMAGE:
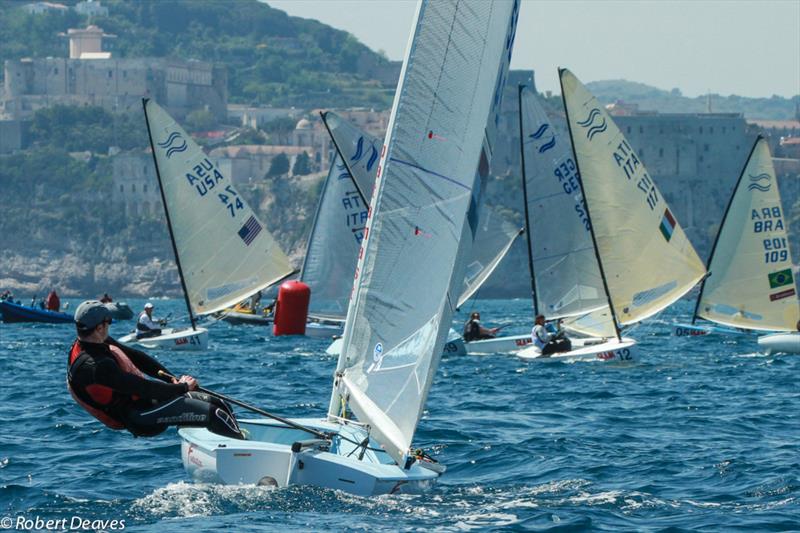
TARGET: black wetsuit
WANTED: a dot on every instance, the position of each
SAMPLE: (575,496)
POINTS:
(472,331)
(144,406)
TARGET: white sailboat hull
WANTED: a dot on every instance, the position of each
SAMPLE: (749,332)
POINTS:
(187,339)
(614,350)
(509,344)
(699,330)
(266,458)
(780,343)
(324,330)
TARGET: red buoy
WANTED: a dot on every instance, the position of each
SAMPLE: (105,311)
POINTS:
(291,311)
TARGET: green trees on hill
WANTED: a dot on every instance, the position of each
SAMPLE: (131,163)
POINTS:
(87,128)
(271,58)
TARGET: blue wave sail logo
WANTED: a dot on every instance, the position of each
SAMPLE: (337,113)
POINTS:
(592,125)
(343,173)
(756,182)
(175,143)
(545,138)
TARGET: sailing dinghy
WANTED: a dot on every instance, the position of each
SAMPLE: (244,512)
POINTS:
(223,252)
(359,151)
(750,285)
(425,195)
(644,258)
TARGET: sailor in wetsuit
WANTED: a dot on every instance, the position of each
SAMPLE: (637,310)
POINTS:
(120,386)
(473,330)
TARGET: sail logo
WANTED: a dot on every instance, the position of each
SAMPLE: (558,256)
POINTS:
(592,125)
(360,154)
(250,230)
(756,185)
(343,173)
(175,143)
(667,225)
(549,140)
(377,358)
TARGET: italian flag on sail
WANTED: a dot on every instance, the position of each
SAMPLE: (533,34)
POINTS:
(667,225)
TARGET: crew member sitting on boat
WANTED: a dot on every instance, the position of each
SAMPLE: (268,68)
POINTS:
(146,325)
(473,331)
(547,342)
(106,298)
(122,387)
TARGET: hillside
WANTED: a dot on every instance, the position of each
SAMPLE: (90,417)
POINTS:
(653,99)
(271,58)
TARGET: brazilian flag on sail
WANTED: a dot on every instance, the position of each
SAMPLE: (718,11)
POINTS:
(780,278)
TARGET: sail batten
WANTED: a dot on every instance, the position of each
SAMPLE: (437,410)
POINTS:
(424,196)
(751,284)
(646,260)
(225,252)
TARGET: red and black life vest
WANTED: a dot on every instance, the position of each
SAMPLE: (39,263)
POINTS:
(96,399)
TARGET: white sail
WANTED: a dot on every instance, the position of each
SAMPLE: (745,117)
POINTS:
(358,150)
(750,283)
(645,257)
(491,244)
(225,252)
(333,244)
(494,238)
(425,194)
(598,323)
(568,280)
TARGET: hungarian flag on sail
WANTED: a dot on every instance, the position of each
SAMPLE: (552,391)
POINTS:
(249,231)
(667,225)
(780,278)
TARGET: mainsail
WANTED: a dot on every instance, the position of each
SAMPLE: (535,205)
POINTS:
(645,258)
(225,253)
(425,195)
(333,245)
(567,277)
(494,238)
(750,283)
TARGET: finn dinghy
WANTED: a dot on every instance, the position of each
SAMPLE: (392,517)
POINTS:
(425,194)
(645,260)
(750,285)
(223,252)
(359,151)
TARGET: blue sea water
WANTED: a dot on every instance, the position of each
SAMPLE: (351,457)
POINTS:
(701,434)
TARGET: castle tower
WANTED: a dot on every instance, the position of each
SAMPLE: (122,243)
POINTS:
(87,43)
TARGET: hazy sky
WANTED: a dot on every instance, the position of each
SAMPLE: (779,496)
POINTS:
(749,48)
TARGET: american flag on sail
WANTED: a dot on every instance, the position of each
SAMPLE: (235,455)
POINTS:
(250,229)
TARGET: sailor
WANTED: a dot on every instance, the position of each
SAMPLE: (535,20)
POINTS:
(146,325)
(473,330)
(106,298)
(546,342)
(121,386)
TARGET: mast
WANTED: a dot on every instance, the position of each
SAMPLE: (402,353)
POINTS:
(361,193)
(525,201)
(588,213)
(722,225)
(169,223)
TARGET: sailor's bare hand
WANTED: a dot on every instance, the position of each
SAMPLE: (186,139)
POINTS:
(190,382)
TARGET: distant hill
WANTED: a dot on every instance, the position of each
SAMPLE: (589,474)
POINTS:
(272,58)
(654,99)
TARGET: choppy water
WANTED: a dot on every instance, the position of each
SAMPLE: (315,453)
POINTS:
(702,434)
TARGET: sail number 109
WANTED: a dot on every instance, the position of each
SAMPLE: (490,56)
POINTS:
(775,250)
